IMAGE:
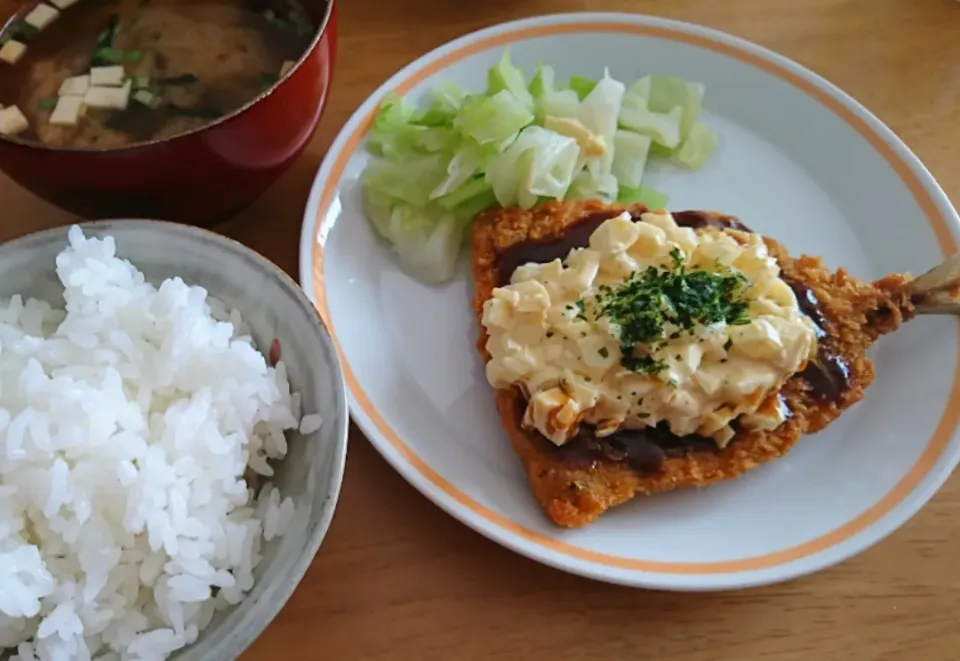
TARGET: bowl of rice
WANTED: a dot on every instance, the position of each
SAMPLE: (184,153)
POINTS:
(173,429)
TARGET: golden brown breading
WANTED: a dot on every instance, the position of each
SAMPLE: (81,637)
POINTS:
(574,494)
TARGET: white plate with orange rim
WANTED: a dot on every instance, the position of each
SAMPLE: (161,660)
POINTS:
(798,160)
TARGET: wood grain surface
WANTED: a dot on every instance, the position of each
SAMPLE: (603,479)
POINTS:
(398,579)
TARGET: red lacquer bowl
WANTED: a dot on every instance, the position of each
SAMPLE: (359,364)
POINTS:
(197,177)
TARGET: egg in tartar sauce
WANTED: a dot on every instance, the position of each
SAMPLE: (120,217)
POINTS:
(650,323)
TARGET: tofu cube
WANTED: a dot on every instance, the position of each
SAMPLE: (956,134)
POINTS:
(63,4)
(68,111)
(115,98)
(41,16)
(287,65)
(12,51)
(12,121)
(74,86)
(111,76)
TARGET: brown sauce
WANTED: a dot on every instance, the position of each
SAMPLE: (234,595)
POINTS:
(646,450)
(546,250)
(578,236)
(828,374)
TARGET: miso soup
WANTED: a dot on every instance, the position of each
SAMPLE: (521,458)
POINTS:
(102,74)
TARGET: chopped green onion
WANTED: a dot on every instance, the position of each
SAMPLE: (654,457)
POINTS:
(23,29)
(47,104)
(105,41)
(106,36)
(109,54)
(182,79)
(19,30)
(103,47)
(116,55)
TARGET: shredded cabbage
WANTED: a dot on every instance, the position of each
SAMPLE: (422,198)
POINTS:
(667,93)
(506,77)
(630,151)
(426,239)
(582,86)
(540,163)
(697,147)
(410,181)
(663,128)
(598,114)
(493,118)
(434,167)
(550,100)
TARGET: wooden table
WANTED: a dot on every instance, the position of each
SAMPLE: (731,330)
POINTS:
(398,579)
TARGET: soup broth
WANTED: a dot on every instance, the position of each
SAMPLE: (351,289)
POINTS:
(109,73)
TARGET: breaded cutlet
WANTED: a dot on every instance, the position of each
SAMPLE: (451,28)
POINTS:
(574,493)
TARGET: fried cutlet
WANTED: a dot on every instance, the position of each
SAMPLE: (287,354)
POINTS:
(572,491)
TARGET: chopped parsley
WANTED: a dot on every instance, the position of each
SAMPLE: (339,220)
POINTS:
(654,305)
(644,364)
(580,310)
(676,257)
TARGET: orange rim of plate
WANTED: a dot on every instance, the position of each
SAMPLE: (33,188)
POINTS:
(924,464)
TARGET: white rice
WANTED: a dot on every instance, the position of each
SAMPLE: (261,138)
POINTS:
(128,423)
